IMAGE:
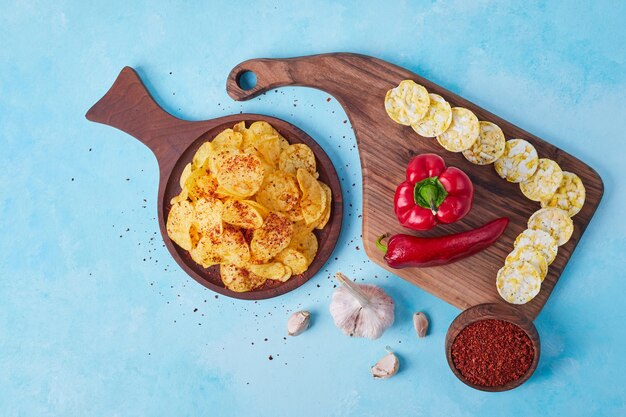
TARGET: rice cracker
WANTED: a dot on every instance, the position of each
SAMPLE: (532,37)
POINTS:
(462,132)
(554,221)
(407,103)
(544,182)
(540,240)
(437,118)
(531,255)
(518,282)
(518,162)
(488,147)
(569,196)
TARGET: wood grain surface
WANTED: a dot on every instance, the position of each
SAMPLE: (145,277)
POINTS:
(129,107)
(359,83)
(499,312)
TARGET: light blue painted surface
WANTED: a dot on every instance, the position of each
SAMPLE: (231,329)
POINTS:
(87,327)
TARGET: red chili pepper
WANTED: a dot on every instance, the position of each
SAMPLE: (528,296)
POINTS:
(404,251)
(432,193)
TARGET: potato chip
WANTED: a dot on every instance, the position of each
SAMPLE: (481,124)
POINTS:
(208,216)
(263,211)
(228,138)
(436,120)
(488,147)
(241,213)
(240,127)
(323,220)
(282,142)
(184,195)
(273,270)
(288,273)
(220,154)
(300,231)
(554,221)
(268,167)
(295,214)
(294,259)
(239,279)
(224,194)
(194,233)
(544,182)
(518,282)
(204,253)
(569,196)
(202,154)
(268,147)
(531,255)
(184,175)
(307,245)
(201,184)
(261,128)
(231,246)
(313,199)
(240,174)
(541,241)
(179,222)
(407,103)
(249,139)
(271,238)
(297,156)
(279,192)
(462,132)
(518,162)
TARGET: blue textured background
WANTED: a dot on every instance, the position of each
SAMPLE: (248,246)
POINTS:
(96,319)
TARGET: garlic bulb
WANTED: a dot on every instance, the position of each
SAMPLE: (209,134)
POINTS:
(361,310)
(298,322)
(387,366)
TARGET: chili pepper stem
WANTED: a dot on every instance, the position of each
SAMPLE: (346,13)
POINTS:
(353,289)
(379,242)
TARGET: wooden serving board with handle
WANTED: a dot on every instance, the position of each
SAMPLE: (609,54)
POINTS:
(360,83)
(129,107)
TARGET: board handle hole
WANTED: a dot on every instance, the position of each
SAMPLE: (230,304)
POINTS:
(246,80)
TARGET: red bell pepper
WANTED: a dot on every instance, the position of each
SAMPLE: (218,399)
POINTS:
(432,193)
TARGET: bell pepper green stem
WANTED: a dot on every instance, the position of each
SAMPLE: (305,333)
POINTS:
(429,193)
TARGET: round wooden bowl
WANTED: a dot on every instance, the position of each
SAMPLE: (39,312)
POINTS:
(327,237)
(496,312)
(128,106)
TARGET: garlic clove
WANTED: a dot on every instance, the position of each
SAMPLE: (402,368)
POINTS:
(298,322)
(420,322)
(386,367)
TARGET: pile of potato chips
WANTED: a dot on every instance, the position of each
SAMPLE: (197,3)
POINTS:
(560,193)
(249,202)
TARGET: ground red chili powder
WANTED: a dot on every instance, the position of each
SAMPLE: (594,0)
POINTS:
(491,353)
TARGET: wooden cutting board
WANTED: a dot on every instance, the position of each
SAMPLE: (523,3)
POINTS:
(360,83)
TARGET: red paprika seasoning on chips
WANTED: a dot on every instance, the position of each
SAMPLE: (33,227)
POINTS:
(491,353)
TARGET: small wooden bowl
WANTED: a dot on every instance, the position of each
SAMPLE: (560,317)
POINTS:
(496,312)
